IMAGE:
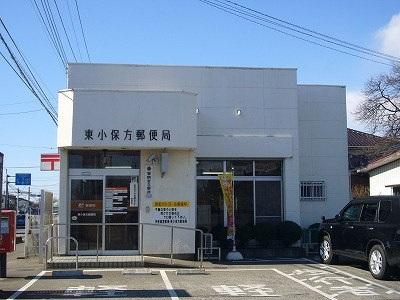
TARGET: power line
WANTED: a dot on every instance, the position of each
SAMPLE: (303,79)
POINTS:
(28,146)
(16,103)
(28,79)
(19,167)
(250,17)
(49,35)
(35,81)
(83,33)
(313,32)
(73,29)
(21,112)
(53,26)
(65,30)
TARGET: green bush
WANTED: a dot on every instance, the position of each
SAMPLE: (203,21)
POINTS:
(264,233)
(288,232)
(244,234)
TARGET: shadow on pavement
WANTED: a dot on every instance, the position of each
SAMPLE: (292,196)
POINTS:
(98,294)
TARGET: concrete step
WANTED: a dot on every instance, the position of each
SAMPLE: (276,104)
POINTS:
(68,262)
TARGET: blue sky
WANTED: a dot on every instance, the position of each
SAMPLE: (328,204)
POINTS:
(185,32)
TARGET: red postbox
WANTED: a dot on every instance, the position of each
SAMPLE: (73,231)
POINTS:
(8,228)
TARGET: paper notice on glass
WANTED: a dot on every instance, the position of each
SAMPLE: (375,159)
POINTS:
(134,197)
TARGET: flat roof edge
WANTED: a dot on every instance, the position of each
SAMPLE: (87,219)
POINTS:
(184,66)
(126,90)
(316,85)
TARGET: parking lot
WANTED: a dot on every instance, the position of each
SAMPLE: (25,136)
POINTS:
(289,279)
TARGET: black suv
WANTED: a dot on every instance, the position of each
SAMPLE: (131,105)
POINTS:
(366,229)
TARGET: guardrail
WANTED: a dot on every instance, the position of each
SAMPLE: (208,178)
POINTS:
(141,226)
(60,238)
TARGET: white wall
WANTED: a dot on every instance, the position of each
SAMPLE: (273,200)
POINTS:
(178,184)
(323,148)
(381,178)
(306,123)
(266,97)
(107,110)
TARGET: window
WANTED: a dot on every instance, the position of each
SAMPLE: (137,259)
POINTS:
(210,204)
(385,208)
(209,167)
(240,167)
(268,167)
(352,213)
(268,201)
(369,212)
(312,190)
(396,191)
(87,159)
(258,196)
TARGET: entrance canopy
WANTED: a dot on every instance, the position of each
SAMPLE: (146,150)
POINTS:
(127,119)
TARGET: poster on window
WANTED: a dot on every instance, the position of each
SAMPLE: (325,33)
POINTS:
(116,199)
(171,212)
(134,197)
(226,181)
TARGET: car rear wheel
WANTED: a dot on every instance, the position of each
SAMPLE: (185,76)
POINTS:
(325,251)
(377,262)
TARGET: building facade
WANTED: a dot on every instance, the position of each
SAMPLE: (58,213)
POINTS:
(145,143)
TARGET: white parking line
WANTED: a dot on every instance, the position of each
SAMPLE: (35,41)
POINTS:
(168,285)
(26,286)
(331,297)
(352,276)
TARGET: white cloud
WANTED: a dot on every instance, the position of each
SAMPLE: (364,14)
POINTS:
(389,36)
(353,99)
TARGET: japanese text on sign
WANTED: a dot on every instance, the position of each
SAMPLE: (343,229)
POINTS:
(127,135)
(171,212)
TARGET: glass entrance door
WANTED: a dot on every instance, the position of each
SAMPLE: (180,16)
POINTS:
(105,212)
(121,210)
(86,214)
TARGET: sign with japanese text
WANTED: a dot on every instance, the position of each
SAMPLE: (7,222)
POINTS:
(127,134)
(171,211)
(22,179)
(116,200)
(108,118)
(134,193)
(149,179)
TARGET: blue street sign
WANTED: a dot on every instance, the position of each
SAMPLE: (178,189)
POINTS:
(22,179)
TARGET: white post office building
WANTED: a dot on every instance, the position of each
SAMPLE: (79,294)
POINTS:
(145,143)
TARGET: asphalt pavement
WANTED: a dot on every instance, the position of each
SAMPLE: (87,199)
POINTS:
(282,279)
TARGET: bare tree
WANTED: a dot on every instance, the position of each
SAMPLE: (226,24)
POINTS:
(380,110)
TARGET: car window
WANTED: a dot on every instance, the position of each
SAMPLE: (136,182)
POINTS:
(352,213)
(385,208)
(369,212)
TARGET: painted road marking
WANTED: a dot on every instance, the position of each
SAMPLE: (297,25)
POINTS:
(168,285)
(304,284)
(390,290)
(99,291)
(26,286)
(248,290)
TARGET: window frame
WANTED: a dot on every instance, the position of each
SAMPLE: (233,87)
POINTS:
(347,207)
(379,211)
(252,178)
(376,212)
(312,184)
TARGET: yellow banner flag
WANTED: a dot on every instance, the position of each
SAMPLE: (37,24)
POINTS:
(226,181)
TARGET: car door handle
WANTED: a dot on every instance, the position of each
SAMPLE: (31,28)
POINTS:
(371,228)
(350,227)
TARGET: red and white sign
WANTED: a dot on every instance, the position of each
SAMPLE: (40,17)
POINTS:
(50,162)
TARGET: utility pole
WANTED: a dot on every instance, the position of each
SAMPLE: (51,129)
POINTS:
(6,200)
(3,256)
(17,208)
